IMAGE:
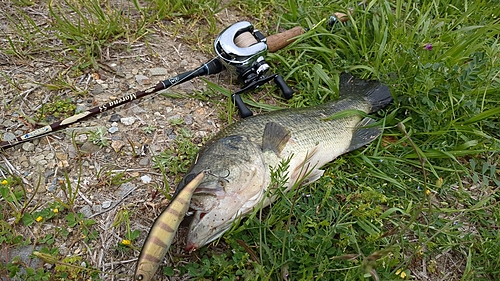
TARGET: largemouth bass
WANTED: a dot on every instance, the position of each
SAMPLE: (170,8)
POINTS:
(163,231)
(239,159)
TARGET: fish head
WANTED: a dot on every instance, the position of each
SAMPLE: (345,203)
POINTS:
(234,183)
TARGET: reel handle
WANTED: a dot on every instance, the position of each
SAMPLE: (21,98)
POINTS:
(244,110)
(285,89)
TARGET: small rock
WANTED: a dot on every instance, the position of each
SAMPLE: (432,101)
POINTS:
(36,159)
(49,156)
(158,71)
(96,208)
(137,109)
(52,187)
(81,138)
(86,211)
(7,123)
(49,174)
(135,71)
(115,118)
(146,179)
(144,161)
(113,130)
(124,189)
(106,204)
(127,121)
(158,114)
(29,85)
(117,145)
(175,117)
(28,146)
(8,136)
(124,87)
(19,132)
(80,108)
(89,148)
(24,254)
(142,79)
(63,164)
(72,152)
(188,119)
(187,86)
(97,89)
(61,156)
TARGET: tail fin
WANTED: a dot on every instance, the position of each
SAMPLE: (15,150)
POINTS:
(378,94)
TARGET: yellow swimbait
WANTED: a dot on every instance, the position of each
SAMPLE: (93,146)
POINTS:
(163,231)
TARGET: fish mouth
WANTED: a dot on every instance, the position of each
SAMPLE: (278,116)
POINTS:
(191,248)
(193,239)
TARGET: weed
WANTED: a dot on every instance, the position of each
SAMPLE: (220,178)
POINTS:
(149,129)
(123,217)
(179,157)
(59,109)
(108,179)
(98,137)
(176,121)
(13,191)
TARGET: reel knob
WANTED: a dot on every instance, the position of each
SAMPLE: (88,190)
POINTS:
(285,89)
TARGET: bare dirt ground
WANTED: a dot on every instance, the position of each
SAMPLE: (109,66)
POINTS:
(45,164)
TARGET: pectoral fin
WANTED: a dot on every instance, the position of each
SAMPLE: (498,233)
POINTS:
(364,134)
(275,137)
(313,176)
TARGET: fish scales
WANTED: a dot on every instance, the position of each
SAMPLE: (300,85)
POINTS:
(306,125)
(238,160)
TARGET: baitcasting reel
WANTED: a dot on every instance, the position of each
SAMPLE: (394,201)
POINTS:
(241,49)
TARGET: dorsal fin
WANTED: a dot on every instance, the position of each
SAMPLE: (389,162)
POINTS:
(275,137)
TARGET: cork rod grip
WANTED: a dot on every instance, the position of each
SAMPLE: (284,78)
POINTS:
(279,41)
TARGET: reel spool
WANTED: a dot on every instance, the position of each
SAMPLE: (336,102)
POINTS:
(241,49)
(239,46)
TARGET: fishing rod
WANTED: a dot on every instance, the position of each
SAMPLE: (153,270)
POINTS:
(211,67)
(240,48)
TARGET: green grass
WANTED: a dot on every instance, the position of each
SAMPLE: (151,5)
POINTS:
(413,199)
(420,201)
